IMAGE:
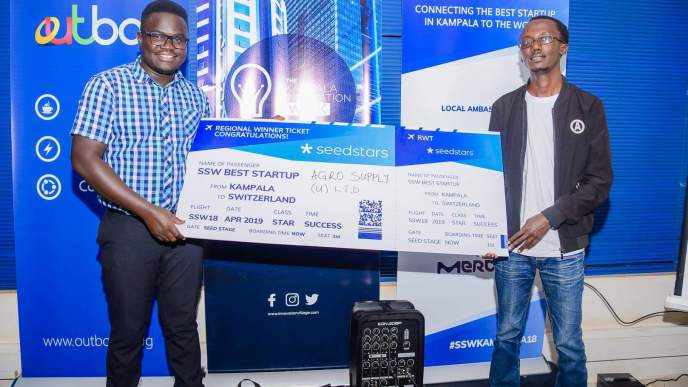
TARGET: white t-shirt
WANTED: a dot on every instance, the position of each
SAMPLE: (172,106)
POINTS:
(538,171)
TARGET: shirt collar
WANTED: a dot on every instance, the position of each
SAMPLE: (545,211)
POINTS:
(142,76)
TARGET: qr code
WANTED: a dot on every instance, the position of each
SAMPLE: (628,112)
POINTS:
(370,219)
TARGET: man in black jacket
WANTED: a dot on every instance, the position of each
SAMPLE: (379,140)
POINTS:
(557,170)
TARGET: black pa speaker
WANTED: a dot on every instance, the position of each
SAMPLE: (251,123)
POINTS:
(387,343)
(617,380)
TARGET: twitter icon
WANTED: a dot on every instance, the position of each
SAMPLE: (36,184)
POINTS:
(312,299)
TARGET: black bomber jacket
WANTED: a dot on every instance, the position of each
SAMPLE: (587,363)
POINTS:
(582,160)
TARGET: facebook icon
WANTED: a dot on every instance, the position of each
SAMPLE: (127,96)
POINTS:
(271,300)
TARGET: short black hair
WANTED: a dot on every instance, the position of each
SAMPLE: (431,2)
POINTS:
(563,31)
(167,6)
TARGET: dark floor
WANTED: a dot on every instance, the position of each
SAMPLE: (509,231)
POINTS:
(543,380)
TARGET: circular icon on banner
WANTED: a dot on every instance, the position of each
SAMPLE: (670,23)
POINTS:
(577,126)
(47,107)
(48,149)
(48,187)
(302,79)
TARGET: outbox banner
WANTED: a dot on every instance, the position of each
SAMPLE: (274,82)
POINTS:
(394,188)
(458,58)
(56,47)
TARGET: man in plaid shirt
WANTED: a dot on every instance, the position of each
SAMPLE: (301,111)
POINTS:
(133,129)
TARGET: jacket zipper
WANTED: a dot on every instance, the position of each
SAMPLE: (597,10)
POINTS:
(554,137)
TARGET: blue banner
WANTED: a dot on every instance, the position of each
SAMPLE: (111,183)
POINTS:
(283,308)
(444,31)
(295,59)
(459,57)
(473,342)
(56,47)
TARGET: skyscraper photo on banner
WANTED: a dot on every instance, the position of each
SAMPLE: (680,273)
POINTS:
(297,59)
(458,58)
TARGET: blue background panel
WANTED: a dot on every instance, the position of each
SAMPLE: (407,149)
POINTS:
(614,54)
(247,284)
(7,266)
(634,59)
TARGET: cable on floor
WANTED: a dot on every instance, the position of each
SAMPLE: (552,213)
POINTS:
(666,380)
(618,319)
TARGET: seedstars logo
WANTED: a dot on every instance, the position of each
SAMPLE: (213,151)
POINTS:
(347,150)
(50,27)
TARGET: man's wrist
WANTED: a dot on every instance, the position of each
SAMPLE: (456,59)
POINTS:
(554,217)
(143,209)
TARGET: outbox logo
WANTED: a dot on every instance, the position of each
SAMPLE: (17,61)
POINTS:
(50,27)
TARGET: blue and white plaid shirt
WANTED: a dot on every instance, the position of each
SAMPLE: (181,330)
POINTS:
(148,129)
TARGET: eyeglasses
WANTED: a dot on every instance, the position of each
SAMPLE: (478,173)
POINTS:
(160,39)
(543,39)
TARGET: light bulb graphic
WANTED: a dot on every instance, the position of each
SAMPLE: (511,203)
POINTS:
(252,91)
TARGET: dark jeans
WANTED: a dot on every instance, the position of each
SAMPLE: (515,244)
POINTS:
(137,269)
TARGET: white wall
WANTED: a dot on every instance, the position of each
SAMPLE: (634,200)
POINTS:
(654,348)
(9,335)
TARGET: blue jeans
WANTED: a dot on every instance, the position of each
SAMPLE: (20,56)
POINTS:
(562,279)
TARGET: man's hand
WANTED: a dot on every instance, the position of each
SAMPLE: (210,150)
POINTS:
(161,224)
(489,256)
(530,234)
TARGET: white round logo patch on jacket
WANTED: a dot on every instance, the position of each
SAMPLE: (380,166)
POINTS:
(577,126)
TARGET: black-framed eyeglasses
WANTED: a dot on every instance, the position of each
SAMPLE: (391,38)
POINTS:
(160,39)
(543,39)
